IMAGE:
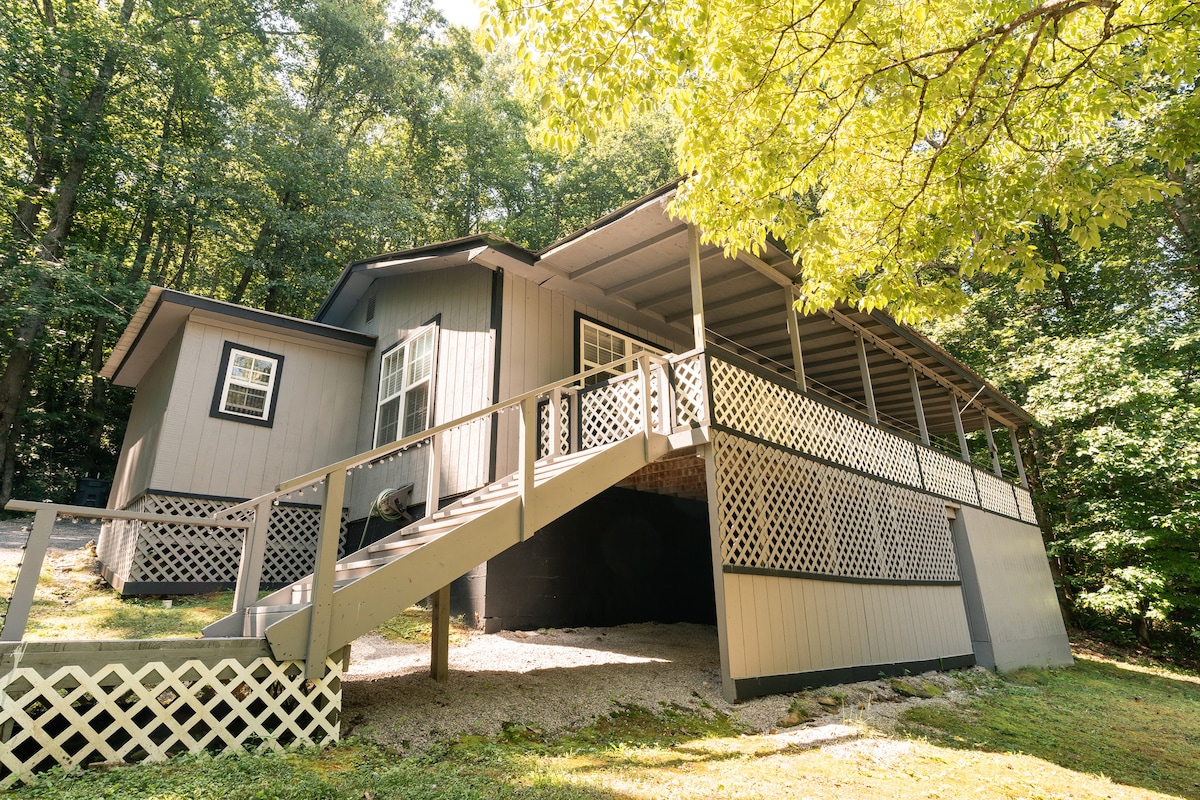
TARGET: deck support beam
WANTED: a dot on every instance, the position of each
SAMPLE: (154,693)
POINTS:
(254,551)
(439,641)
(991,441)
(865,370)
(958,428)
(697,288)
(323,575)
(793,324)
(1016,448)
(918,406)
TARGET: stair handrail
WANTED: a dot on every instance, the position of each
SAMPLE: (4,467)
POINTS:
(385,450)
(333,477)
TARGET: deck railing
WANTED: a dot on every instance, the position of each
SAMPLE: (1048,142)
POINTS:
(765,407)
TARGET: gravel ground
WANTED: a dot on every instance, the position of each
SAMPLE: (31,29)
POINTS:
(68,534)
(556,680)
(559,679)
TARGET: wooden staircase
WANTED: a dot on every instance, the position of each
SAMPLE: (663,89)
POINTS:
(589,437)
(379,581)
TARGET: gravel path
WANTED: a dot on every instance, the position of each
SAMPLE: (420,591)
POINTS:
(559,679)
(68,534)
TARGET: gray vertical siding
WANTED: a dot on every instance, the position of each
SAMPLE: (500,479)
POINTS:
(314,424)
(1009,592)
(538,345)
(461,297)
(791,626)
(143,433)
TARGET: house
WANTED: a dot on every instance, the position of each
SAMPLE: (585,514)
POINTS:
(803,482)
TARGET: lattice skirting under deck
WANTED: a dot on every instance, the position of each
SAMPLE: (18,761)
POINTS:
(155,558)
(782,513)
(71,704)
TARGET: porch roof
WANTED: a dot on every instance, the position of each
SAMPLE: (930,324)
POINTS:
(637,258)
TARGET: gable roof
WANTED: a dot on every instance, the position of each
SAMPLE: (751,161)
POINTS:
(164,311)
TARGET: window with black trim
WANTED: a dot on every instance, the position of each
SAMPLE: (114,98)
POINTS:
(406,387)
(600,345)
(246,388)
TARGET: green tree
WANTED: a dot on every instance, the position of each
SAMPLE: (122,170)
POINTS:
(1107,362)
(895,148)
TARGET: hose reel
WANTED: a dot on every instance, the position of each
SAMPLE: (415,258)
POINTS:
(392,504)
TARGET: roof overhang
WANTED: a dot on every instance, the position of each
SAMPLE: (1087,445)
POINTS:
(163,312)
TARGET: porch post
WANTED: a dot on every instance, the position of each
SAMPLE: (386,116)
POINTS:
(917,404)
(1016,448)
(863,368)
(439,641)
(987,430)
(793,324)
(697,290)
(958,428)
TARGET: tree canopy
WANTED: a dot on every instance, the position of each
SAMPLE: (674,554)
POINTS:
(895,147)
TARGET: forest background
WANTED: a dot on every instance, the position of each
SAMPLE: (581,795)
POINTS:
(248,149)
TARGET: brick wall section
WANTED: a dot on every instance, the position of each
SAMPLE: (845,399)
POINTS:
(680,474)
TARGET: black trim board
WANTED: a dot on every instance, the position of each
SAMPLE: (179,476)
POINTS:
(736,569)
(496,322)
(746,688)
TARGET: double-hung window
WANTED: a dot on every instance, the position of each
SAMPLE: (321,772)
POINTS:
(406,387)
(246,391)
(599,345)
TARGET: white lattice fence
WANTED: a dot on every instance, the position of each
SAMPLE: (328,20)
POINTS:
(564,427)
(111,702)
(948,476)
(1025,504)
(609,412)
(996,494)
(766,410)
(158,553)
(691,390)
(779,511)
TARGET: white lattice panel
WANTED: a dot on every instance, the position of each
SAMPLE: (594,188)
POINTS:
(564,427)
(996,494)
(780,511)
(1025,505)
(764,409)
(151,552)
(948,476)
(70,716)
(690,390)
(609,412)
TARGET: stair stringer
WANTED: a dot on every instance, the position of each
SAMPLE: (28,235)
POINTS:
(372,599)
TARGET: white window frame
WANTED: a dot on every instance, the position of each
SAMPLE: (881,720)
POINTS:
(234,375)
(399,386)
(616,341)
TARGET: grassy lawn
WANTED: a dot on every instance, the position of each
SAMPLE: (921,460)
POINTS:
(1108,728)
(1100,730)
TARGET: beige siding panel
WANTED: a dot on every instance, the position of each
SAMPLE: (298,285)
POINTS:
(463,377)
(206,455)
(1010,591)
(834,624)
(144,432)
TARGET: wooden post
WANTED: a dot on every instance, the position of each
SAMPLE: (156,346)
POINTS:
(647,403)
(864,369)
(793,324)
(573,423)
(958,428)
(987,431)
(1016,448)
(433,486)
(254,549)
(439,642)
(21,601)
(323,575)
(918,405)
(697,289)
(553,448)
(526,456)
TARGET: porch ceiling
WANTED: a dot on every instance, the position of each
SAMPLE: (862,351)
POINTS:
(638,258)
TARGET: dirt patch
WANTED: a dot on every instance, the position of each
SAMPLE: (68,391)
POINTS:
(556,680)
